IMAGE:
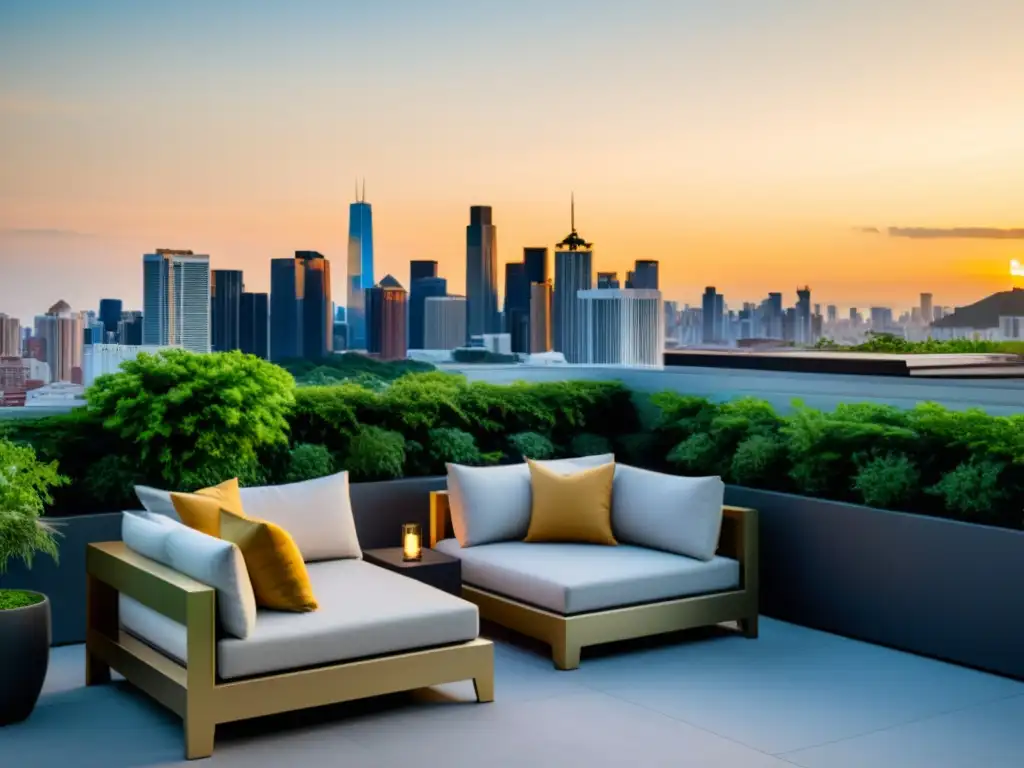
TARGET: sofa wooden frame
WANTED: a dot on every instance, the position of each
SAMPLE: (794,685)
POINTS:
(193,690)
(567,635)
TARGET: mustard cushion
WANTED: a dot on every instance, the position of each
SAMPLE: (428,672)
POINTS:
(571,508)
(201,510)
(278,574)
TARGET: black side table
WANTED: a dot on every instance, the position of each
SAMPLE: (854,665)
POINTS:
(435,568)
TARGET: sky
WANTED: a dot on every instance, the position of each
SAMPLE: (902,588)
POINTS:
(870,150)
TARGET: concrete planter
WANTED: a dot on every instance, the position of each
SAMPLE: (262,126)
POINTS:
(935,587)
(25,644)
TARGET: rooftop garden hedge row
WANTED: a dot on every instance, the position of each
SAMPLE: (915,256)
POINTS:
(179,420)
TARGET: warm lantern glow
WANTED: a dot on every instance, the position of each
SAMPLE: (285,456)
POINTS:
(412,548)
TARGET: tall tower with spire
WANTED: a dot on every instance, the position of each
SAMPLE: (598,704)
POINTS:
(360,266)
(481,273)
(574,272)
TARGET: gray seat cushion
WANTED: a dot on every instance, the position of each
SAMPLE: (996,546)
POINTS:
(579,578)
(364,611)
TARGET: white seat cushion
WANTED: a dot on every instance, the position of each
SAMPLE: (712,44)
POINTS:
(676,514)
(580,578)
(317,513)
(364,611)
(491,504)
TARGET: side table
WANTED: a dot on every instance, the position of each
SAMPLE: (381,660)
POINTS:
(435,568)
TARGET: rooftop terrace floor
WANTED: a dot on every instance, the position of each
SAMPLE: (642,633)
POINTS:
(793,697)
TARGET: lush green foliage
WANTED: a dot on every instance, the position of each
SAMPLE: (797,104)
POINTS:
(25,484)
(195,419)
(886,343)
(17,598)
(307,461)
(531,445)
(351,367)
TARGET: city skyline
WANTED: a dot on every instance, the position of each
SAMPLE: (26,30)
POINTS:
(702,139)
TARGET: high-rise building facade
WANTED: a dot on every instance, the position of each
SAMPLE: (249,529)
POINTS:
(420,269)
(62,334)
(927,311)
(360,268)
(301,325)
(574,272)
(606,280)
(623,327)
(10,336)
(225,309)
(481,272)
(540,317)
(318,319)
(645,275)
(129,329)
(176,300)
(386,306)
(110,316)
(713,314)
(101,359)
(254,324)
(517,306)
(536,261)
(803,332)
(444,322)
(421,289)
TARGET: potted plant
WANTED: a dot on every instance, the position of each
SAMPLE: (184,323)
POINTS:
(25,484)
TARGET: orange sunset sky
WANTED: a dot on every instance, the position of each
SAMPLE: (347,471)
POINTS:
(743,143)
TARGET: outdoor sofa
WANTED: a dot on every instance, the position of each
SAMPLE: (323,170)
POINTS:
(681,559)
(173,611)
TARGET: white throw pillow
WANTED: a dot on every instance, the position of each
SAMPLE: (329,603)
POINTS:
(317,513)
(156,501)
(219,564)
(490,504)
(146,533)
(675,514)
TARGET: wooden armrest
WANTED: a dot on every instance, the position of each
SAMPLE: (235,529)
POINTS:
(156,586)
(739,540)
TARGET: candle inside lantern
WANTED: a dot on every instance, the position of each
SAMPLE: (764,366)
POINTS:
(411,543)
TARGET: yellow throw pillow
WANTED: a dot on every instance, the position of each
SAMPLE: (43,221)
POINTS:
(572,508)
(201,510)
(278,574)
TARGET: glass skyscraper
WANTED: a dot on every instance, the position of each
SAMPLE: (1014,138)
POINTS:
(176,300)
(481,273)
(360,268)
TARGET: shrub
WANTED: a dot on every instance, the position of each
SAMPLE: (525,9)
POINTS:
(888,481)
(760,461)
(531,446)
(448,445)
(195,419)
(25,484)
(972,489)
(588,444)
(375,454)
(308,462)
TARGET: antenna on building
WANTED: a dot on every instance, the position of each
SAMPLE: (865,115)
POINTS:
(357,190)
(364,189)
(572,211)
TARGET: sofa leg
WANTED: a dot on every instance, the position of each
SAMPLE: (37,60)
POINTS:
(484,687)
(566,656)
(199,735)
(748,626)
(97,672)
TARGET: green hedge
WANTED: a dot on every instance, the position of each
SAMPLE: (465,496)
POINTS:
(177,421)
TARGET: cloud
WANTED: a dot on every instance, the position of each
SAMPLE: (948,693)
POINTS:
(972,233)
(867,230)
(43,233)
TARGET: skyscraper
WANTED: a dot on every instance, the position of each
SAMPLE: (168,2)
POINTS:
(254,324)
(225,309)
(176,300)
(833,313)
(481,272)
(536,261)
(385,319)
(623,327)
(713,312)
(360,268)
(573,273)
(540,317)
(444,322)
(421,289)
(110,315)
(301,325)
(645,275)
(62,334)
(421,268)
(606,280)
(129,329)
(927,312)
(10,336)
(517,306)
(803,333)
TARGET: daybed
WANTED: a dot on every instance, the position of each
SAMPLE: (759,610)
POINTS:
(571,595)
(176,637)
